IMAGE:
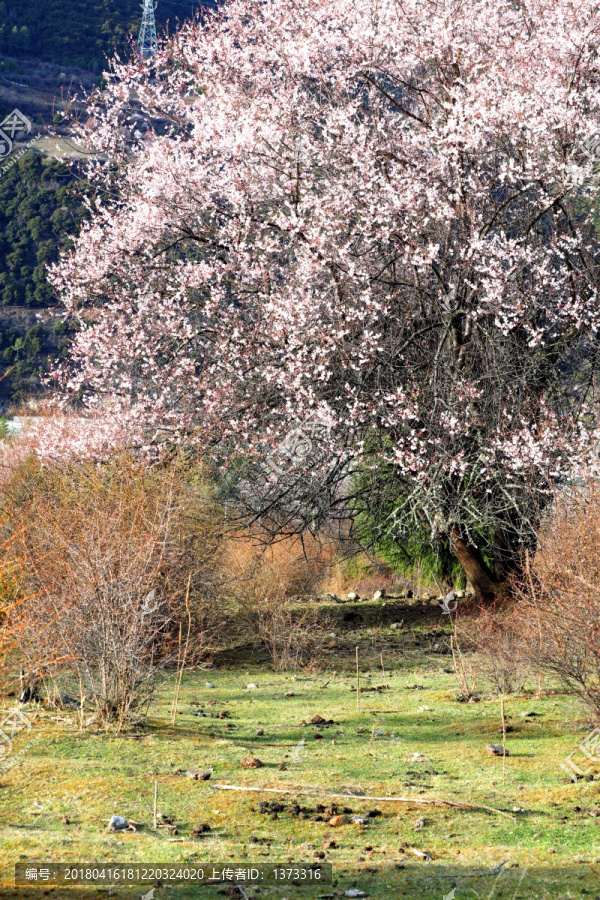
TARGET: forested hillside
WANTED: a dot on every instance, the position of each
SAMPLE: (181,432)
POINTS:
(79,34)
(40,209)
(49,49)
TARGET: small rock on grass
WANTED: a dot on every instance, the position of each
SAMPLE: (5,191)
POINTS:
(420,823)
(422,854)
(354,892)
(497,750)
(120,823)
(197,775)
(203,828)
(336,821)
(252,762)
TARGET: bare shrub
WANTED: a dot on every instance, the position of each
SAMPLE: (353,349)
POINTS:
(558,614)
(271,584)
(105,555)
(291,633)
(499,652)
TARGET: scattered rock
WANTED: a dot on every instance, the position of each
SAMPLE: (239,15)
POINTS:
(197,775)
(209,684)
(289,694)
(354,892)
(497,750)
(352,596)
(163,819)
(360,820)
(396,626)
(202,829)
(379,595)
(337,821)
(417,757)
(252,762)
(252,686)
(420,823)
(117,823)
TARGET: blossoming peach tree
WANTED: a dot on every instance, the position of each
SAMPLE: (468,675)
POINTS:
(368,225)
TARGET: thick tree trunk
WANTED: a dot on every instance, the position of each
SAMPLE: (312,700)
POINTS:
(486,585)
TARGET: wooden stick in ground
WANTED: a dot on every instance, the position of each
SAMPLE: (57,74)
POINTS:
(155,805)
(182,658)
(307,792)
(503,739)
(357,682)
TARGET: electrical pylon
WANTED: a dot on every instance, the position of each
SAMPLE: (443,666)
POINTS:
(147,42)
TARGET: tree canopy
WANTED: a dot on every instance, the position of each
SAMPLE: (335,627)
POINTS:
(369,226)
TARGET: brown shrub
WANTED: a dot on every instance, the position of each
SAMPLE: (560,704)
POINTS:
(109,560)
(558,614)
(269,585)
(500,653)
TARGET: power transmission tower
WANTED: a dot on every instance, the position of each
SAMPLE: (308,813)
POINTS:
(147,42)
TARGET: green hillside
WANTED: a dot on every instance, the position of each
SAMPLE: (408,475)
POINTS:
(41,207)
(81,33)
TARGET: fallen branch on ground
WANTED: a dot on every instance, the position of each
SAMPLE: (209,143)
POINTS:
(314,792)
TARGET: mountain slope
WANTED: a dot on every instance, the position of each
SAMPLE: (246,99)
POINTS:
(80,33)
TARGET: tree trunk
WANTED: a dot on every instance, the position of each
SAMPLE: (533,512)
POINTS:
(486,585)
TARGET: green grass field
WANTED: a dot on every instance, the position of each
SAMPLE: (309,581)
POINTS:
(56,800)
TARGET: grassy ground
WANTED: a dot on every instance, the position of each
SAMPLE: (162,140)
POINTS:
(551,844)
